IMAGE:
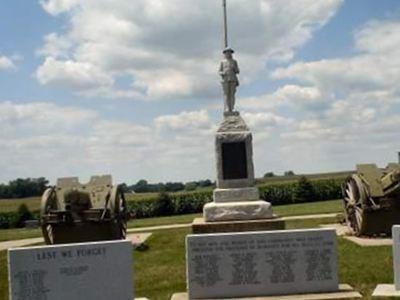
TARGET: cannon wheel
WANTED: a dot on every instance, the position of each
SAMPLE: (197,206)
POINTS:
(354,204)
(46,206)
(119,210)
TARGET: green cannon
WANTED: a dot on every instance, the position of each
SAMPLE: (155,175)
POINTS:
(72,212)
(372,199)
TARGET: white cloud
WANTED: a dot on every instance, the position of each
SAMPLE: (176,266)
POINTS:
(264,120)
(170,49)
(6,63)
(184,121)
(59,6)
(43,117)
(71,74)
(376,68)
(55,46)
(304,97)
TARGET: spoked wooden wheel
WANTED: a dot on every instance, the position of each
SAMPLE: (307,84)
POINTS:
(46,206)
(355,201)
(119,209)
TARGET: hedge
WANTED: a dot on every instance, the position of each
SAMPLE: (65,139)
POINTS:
(277,194)
(193,202)
(285,193)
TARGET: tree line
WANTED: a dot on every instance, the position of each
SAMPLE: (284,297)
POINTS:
(22,188)
(142,186)
(33,187)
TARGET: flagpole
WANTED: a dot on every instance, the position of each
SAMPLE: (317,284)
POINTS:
(225,24)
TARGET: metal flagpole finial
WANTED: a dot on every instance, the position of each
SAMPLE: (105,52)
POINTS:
(225,24)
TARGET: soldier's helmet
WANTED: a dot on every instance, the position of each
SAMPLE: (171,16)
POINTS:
(228,49)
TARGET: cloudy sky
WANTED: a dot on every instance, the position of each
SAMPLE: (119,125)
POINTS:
(130,87)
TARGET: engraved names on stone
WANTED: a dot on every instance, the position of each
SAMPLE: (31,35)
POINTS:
(100,270)
(253,264)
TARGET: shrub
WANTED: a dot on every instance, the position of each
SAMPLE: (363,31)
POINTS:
(288,173)
(190,186)
(269,174)
(23,215)
(304,190)
(301,191)
(163,206)
(8,220)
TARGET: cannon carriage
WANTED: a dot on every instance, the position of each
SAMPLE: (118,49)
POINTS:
(72,212)
(371,199)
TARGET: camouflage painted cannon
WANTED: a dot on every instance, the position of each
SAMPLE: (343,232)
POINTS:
(72,212)
(372,199)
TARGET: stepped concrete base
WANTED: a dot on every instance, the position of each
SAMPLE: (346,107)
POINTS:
(199,225)
(232,211)
(235,195)
(345,292)
(385,290)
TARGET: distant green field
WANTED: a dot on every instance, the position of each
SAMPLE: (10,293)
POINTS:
(317,176)
(9,205)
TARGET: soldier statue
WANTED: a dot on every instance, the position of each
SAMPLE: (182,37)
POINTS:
(228,70)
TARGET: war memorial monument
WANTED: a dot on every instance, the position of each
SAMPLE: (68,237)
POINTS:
(239,249)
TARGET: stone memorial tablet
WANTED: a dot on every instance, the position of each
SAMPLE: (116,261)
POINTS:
(251,264)
(87,271)
(396,256)
(392,290)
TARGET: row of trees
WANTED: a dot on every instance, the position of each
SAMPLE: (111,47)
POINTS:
(142,186)
(272,174)
(22,188)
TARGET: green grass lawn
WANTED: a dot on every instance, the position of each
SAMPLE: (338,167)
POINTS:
(333,206)
(160,270)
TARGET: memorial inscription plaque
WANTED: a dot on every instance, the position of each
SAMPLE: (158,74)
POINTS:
(234,160)
(392,290)
(251,264)
(100,270)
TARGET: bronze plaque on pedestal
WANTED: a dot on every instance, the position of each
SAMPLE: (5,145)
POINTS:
(234,160)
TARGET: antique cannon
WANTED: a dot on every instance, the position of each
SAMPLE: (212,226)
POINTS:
(372,199)
(72,212)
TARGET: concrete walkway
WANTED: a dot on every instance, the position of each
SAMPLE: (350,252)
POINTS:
(310,217)
(26,242)
(20,243)
(136,239)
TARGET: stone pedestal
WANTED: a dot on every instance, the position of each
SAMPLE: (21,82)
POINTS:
(236,197)
(238,210)
(345,292)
